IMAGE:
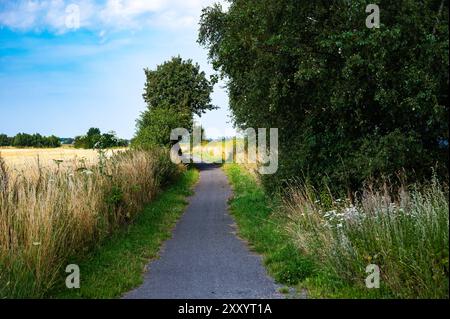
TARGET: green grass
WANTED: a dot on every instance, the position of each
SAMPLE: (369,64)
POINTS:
(266,233)
(262,229)
(405,232)
(117,265)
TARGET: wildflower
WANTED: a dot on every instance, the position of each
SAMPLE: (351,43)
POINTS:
(330,213)
(352,213)
(391,207)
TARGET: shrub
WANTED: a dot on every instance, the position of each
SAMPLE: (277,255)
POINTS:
(94,139)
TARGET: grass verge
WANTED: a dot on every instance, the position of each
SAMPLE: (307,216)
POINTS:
(402,232)
(117,265)
(265,230)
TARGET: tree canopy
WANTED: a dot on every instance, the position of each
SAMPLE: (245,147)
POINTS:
(174,92)
(350,102)
(95,139)
(5,140)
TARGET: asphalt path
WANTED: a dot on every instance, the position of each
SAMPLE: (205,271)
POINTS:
(205,259)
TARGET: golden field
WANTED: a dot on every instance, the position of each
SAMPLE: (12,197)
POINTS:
(66,156)
(48,216)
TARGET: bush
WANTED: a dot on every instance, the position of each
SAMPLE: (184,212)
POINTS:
(155,126)
(95,139)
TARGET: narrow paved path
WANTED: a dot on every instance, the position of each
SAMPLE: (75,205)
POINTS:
(204,259)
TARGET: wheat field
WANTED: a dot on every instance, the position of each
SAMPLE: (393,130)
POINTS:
(25,158)
(49,215)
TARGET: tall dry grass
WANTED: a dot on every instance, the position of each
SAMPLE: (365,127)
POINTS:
(405,233)
(50,215)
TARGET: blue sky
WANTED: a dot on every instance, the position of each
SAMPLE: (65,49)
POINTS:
(66,66)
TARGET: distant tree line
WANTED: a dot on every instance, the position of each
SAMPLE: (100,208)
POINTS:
(29,140)
(95,139)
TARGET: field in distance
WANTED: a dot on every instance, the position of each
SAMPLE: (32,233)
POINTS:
(24,158)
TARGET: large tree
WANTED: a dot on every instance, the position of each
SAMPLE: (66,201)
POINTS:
(174,92)
(350,102)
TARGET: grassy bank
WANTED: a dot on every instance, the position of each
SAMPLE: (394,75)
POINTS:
(117,266)
(322,245)
(253,212)
(50,216)
(404,232)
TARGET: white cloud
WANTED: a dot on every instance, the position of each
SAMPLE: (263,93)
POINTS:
(101,16)
(38,15)
(21,17)
(126,13)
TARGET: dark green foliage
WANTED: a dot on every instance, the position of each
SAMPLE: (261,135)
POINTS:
(288,265)
(94,131)
(174,92)
(5,140)
(350,103)
(154,126)
(28,140)
(115,196)
(108,140)
(90,140)
(95,139)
